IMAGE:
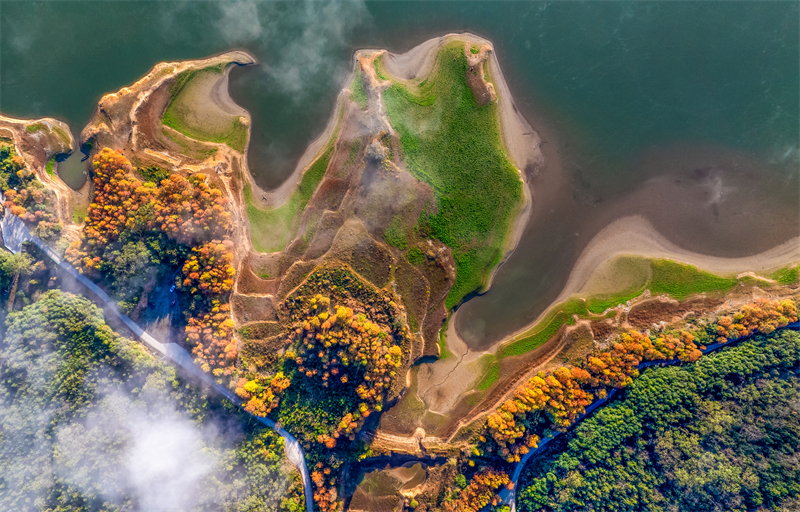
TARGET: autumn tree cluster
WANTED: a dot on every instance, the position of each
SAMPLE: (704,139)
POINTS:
(344,347)
(764,316)
(555,399)
(261,394)
(180,221)
(25,196)
(346,350)
(481,491)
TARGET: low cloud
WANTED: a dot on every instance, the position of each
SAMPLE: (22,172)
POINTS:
(299,39)
(122,451)
(239,22)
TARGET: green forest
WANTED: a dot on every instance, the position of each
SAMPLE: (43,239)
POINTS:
(720,434)
(90,421)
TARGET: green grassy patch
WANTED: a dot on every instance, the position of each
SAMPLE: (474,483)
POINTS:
(415,256)
(599,304)
(379,72)
(33,128)
(787,275)
(191,148)
(49,167)
(474,50)
(490,377)
(455,146)
(270,229)
(217,127)
(79,213)
(443,352)
(395,235)
(544,330)
(358,95)
(681,281)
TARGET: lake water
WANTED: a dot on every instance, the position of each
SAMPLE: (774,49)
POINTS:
(645,107)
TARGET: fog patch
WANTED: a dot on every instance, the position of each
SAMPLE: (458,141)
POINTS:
(122,452)
(239,22)
(300,39)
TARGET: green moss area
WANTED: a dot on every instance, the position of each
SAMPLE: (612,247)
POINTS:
(395,235)
(212,124)
(270,229)
(711,435)
(490,377)
(358,95)
(33,128)
(455,146)
(546,329)
(681,281)
(415,256)
(787,275)
(49,167)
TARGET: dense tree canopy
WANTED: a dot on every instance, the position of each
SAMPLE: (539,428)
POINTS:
(719,434)
(136,231)
(91,422)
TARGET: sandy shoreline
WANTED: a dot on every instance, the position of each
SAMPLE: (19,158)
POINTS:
(635,236)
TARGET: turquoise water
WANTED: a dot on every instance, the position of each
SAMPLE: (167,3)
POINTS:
(625,92)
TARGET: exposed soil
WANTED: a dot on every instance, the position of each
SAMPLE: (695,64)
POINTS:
(602,329)
(252,308)
(644,315)
(482,91)
(249,283)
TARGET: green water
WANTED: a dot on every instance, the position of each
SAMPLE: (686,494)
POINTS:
(626,92)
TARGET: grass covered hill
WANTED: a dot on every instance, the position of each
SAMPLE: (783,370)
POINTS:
(455,146)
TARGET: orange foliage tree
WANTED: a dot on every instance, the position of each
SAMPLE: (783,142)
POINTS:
(557,394)
(563,394)
(325,496)
(191,213)
(763,316)
(261,394)
(339,347)
(481,491)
